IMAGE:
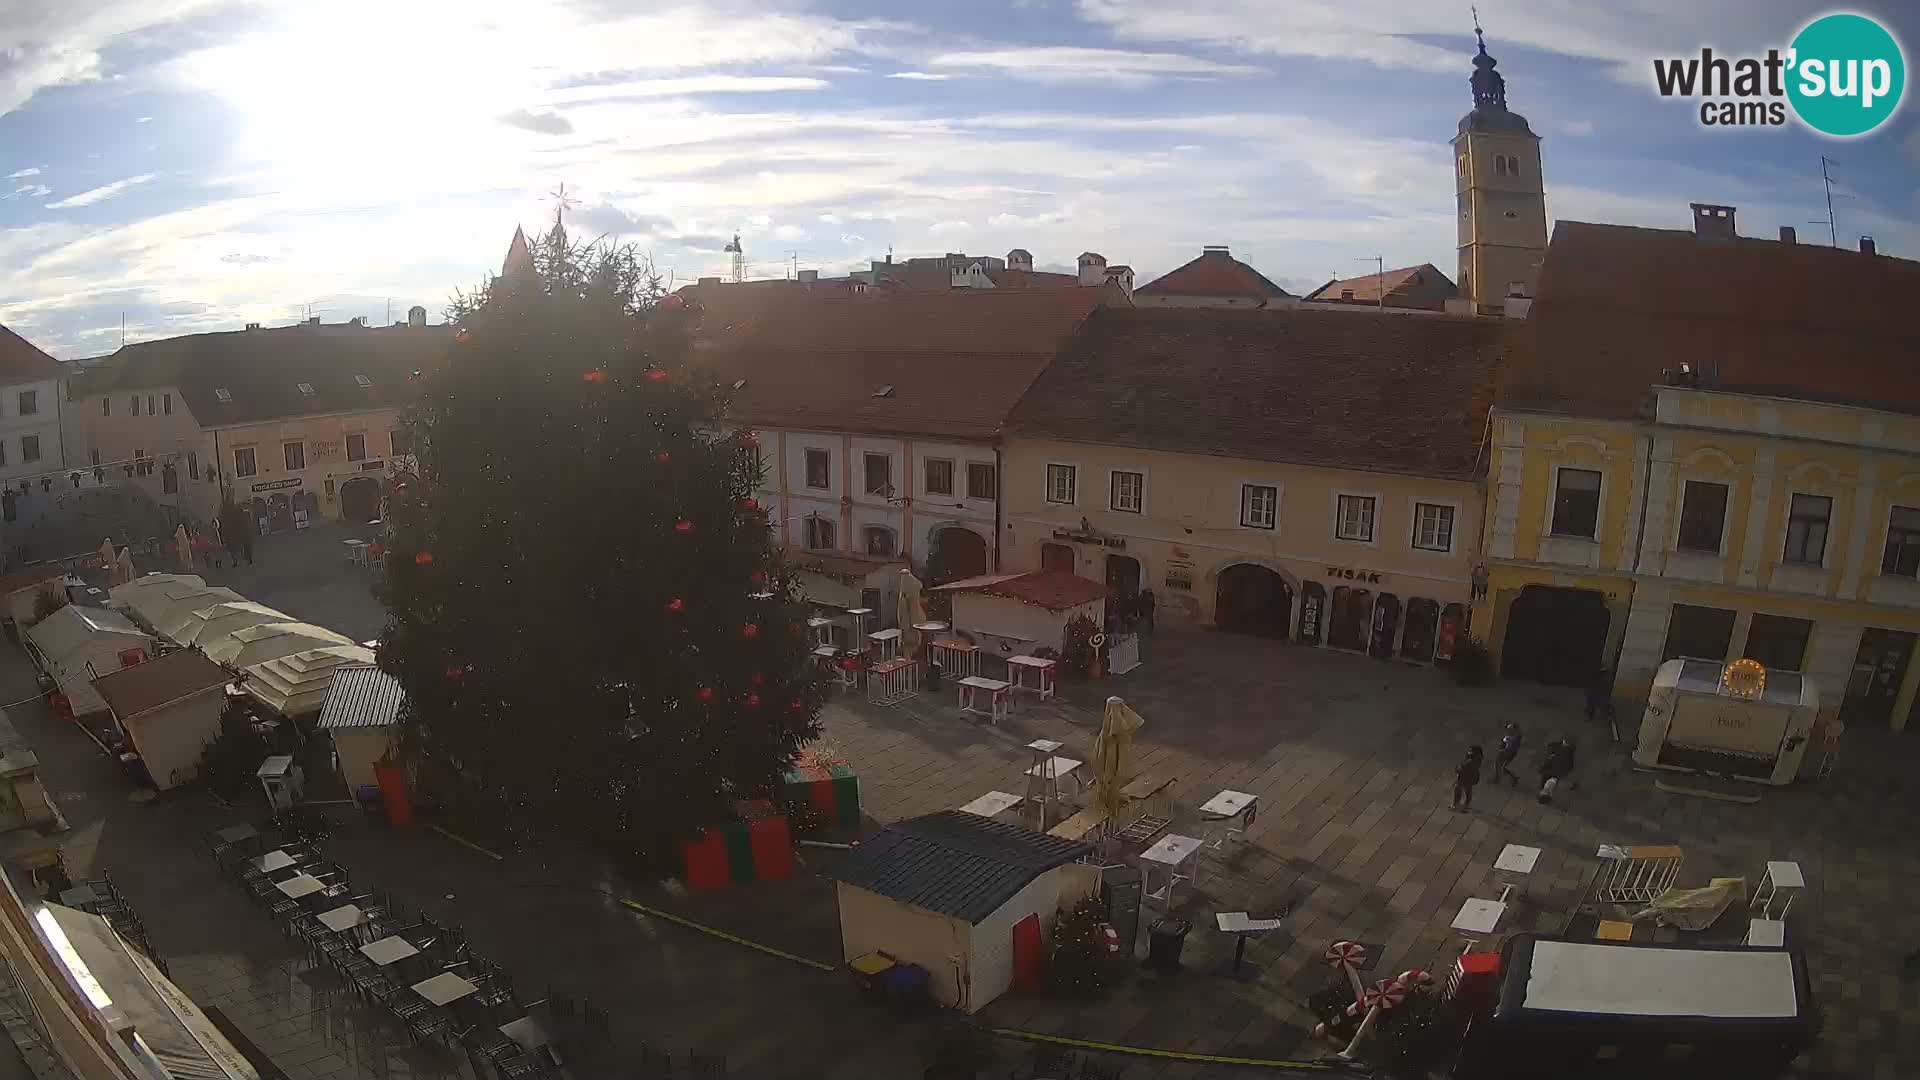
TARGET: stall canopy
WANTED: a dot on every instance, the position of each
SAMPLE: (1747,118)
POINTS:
(297,684)
(78,643)
(259,643)
(844,581)
(128,596)
(208,625)
(1025,610)
(171,606)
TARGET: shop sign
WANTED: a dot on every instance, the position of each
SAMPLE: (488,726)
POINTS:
(1090,538)
(1177,579)
(326,450)
(1347,573)
(1179,568)
(370,466)
(276,485)
(1310,617)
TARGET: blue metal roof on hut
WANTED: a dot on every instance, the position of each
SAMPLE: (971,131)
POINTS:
(954,863)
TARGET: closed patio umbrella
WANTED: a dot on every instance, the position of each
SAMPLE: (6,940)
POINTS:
(106,554)
(1111,748)
(183,547)
(907,611)
(123,567)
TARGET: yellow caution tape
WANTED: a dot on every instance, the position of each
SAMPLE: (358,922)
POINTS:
(1148,1051)
(464,842)
(724,936)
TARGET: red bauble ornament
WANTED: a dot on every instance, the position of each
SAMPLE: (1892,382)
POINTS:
(705,693)
(753,701)
(676,605)
(796,706)
(656,375)
(597,375)
(456,672)
(683,526)
(751,506)
(748,438)
(749,630)
(462,336)
(794,629)
(663,458)
(759,577)
(423,558)
(759,678)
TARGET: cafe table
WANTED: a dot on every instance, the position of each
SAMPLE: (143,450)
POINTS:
(388,950)
(444,988)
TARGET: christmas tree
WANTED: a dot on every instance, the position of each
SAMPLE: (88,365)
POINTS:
(593,631)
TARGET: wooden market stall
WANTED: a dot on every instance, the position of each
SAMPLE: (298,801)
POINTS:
(1014,614)
(949,893)
(76,644)
(839,582)
(169,709)
(1737,719)
(361,712)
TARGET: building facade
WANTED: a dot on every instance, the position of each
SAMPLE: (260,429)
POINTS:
(1501,196)
(334,466)
(1253,490)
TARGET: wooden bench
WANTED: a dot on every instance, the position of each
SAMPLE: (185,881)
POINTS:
(1080,825)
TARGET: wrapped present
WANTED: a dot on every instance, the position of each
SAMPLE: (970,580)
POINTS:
(827,784)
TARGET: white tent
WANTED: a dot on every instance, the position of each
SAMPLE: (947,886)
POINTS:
(297,684)
(217,617)
(77,643)
(127,597)
(164,607)
(257,644)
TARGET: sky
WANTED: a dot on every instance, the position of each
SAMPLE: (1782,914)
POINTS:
(175,166)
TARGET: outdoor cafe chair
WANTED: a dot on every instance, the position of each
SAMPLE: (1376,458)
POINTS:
(708,1065)
(430,1025)
(524,1067)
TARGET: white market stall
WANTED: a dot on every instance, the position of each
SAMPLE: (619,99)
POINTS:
(297,684)
(1014,614)
(257,644)
(1737,719)
(77,643)
(847,581)
(143,590)
(361,713)
(173,606)
(21,592)
(206,626)
(169,709)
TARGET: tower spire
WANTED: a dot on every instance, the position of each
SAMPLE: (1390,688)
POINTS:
(1489,86)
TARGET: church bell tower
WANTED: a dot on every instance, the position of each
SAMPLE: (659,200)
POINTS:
(1501,194)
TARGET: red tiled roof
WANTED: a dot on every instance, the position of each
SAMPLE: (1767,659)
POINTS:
(147,686)
(1055,590)
(730,310)
(22,361)
(1214,273)
(1423,287)
(1618,306)
(29,577)
(949,364)
(1333,386)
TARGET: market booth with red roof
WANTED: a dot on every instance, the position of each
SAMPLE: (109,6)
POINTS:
(1016,614)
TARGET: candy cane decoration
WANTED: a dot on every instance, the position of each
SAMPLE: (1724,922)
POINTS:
(1386,994)
(1347,956)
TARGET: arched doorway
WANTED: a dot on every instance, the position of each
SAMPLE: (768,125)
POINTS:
(1123,576)
(279,512)
(1313,612)
(1555,635)
(957,553)
(1453,623)
(1386,623)
(260,520)
(1423,618)
(360,500)
(1253,599)
(1057,557)
(1351,621)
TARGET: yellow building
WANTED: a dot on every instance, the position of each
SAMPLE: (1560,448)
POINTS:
(1307,474)
(1710,447)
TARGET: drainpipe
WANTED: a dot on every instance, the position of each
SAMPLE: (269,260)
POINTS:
(999,495)
(1639,535)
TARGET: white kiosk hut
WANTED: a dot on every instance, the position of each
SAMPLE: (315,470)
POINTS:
(77,644)
(1736,719)
(169,708)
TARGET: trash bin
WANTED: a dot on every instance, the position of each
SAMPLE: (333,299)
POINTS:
(1165,940)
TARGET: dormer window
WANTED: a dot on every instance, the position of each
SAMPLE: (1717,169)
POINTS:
(223,395)
(305,388)
(362,381)
(885,391)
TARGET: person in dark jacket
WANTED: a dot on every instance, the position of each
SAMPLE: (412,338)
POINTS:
(1556,764)
(1145,602)
(1503,757)
(1466,776)
(1600,696)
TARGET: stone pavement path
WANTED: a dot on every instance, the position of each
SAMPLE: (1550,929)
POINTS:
(1352,758)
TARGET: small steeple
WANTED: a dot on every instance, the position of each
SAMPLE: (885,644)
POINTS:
(519,262)
(1489,87)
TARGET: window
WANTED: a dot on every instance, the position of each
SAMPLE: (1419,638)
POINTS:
(296,455)
(1061,482)
(819,469)
(879,541)
(1807,519)
(96,455)
(106,406)
(1701,632)
(1703,515)
(819,533)
(29,402)
(30,448)
(223,395)
(305,388)
(133,405)
(243,464)
(169,480)
(1259,505)
(1432,527)
(193,464)
(166,404)
(400,441)
(983,481)
(939,476)
(1126,491)
(1353,518)
(1903,543)
(879,469)
(1576,503)
(357,446)
(149,404)
(363,382)
(1500,164)
(1779,642)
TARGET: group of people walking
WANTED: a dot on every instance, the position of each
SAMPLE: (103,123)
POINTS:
(1556,765)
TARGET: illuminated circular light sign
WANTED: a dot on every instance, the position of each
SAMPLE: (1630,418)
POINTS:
(1745,679)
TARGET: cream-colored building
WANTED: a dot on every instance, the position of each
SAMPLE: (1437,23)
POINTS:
(1501,196)
(1307,474)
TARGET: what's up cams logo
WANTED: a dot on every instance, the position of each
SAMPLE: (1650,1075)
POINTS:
(1843,75)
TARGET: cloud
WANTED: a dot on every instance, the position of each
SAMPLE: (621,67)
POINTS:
(702,241)
(545,123)
(920,76)
(1913,145)
(144,120)
(1064,63)
(22,174)
(101,193)
(239,259)
(1578,127)
(607,219)
(28,191)
(52,44)
(948,228)
(682,87)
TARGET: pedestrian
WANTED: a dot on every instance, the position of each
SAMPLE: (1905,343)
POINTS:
(1600,696)
(1479,581)
(1509,750)
(1465,776)
(1556,762)
(1146,609)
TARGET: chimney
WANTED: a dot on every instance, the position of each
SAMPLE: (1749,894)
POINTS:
(313,320)
(1019,259)
(1788,236)
(1713,221)
(808,277)
(253,326)
(1093,268)
(1866,246)
(708,281)
(1214,249)
(417,316)
(1121,275)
